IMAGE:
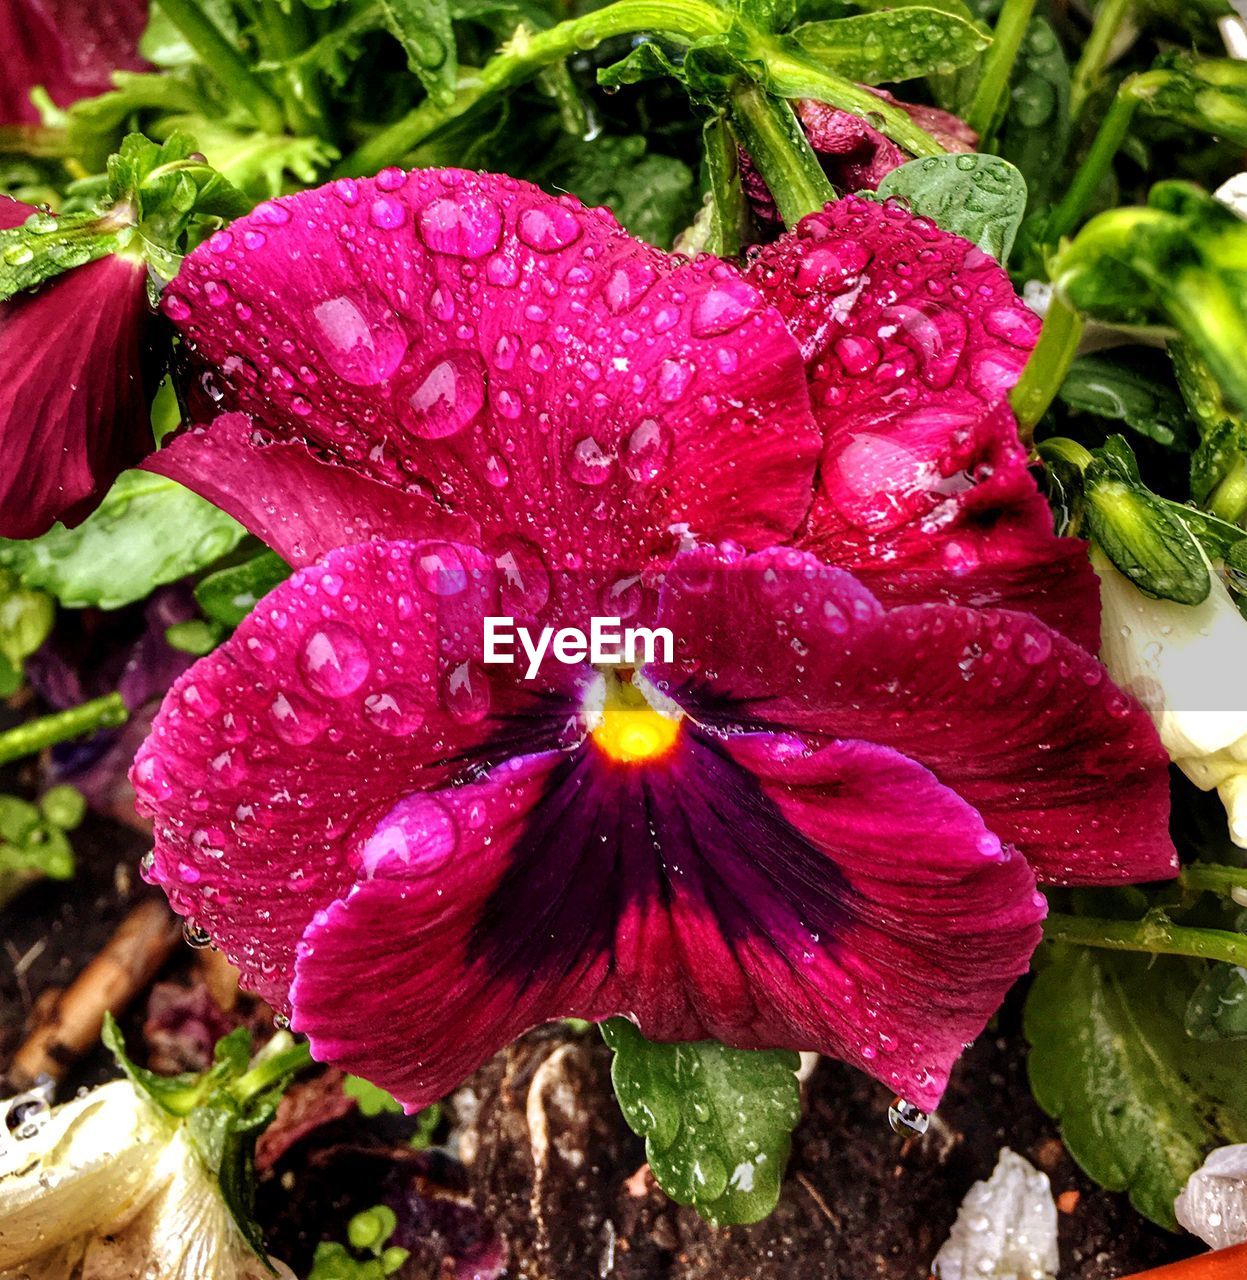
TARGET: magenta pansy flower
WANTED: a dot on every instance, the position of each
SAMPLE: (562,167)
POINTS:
(66,47)
(76,388)
(817,822)
(854,154)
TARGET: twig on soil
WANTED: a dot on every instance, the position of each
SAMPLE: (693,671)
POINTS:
(129,961)
(823,1206)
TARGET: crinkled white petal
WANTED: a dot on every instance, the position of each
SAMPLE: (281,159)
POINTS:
(1233,191)
(185,1232)
(86,1168)
(1006,1228)
(1213,1204)
(1185,664)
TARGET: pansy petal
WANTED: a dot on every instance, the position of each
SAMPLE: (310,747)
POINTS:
(519,356)
(76,386)
(348,685)
(913,339)
(1017,719)
(748,891)
(301,505)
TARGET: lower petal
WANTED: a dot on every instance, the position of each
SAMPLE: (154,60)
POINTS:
(841,901)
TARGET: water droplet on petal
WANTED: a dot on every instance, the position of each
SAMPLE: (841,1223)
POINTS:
(906,1119)
(444,396)
(333,660)
(359,350)
(549,228)
(459,225)
(589,463)
(396,710)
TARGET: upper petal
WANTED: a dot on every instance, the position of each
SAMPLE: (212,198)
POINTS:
(912,339)
(1018,720)
(749,891)
(351,683)
(518,356)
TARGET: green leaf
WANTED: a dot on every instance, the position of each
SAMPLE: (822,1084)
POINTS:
(44,247)
(177,1095)
(1035,132)
(371,1099)
(1219,463)
(1209,94)
(728,209)
(1121,389)
(424,30)
(26,618)
(32,847)
(146,532)
(717,1122)
(1141,534)
(1217,1009)
(228,595)
(648,61)
(895,44)
(980,197)
(1140,1102)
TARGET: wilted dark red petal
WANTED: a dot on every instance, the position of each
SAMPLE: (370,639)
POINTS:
(913,339)
(748,891)
(75,390)
(519,357)
(68,47)
(1015,718)
(302,505)
(355,681)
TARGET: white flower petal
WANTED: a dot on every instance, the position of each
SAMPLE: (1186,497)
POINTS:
(85,1169)
(1185,664)
(1213,1204)
(1006,1228)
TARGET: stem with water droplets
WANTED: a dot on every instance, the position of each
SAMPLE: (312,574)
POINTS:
(1015,16)
(46,731)
(1047,366)
(1154,935)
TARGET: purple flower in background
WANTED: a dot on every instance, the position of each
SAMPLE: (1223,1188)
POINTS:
(818,824)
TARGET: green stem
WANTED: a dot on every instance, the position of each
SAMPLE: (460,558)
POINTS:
(1228,499)
(1096,163)
(1152,936)
(1011,26)
(300,90)
(1047,366)
(270,1068)
(1108,19)
(777,144)
(46,731)
(225,62)
(527,54)
(792,74)
(1213,878)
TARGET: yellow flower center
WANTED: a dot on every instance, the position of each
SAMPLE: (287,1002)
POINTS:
(630,729)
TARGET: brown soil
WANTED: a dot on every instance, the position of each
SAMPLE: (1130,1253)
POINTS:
(553,1170)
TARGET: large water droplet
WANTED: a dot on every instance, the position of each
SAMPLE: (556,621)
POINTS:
(360,350)
(459,225)
(294,720)
(549,228)
(646,451)
(443,396)
(589,463)
(333,660)
(906,1119)
(396,710)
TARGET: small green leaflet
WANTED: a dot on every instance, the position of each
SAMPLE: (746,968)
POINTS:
(980,197)
(371,1099)
(25,619)
(146,532)
(895,44)
(32,847)
(1217,1009)
(1140,1102)
(424,30)
(717,1122)
(228,595)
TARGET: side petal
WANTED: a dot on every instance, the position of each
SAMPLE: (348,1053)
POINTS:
(301,505)
(351,683)
(1015,718)
(912,339)
(842,901)
(74,395)
(518,356)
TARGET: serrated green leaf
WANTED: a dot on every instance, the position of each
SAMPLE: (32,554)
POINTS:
(648,61)
(980,197)
(894,44)
(1120,388)
(424,30)
(717,1122)
(1140,533)
(1140,1103)
(148,531)
(229,595)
